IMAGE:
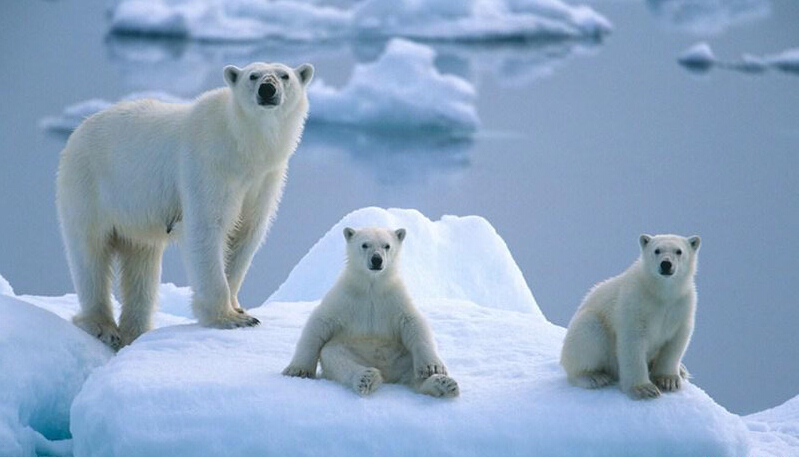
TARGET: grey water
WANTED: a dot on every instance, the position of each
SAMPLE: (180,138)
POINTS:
(583,147)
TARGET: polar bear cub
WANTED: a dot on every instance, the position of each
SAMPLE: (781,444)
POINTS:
(210,172)
(366,330)
(634,328)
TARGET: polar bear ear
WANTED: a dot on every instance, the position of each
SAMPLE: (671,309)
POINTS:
(694,242)
(349,233)
(231,74)
(305,73)
(644,240)
(400,234)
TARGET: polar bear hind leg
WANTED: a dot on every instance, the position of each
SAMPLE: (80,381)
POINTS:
(140,275)
(340,364)
(90,264)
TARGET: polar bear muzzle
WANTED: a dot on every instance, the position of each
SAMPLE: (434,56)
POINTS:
(267,92)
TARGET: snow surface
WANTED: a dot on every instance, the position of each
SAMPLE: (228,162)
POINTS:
(401,90)
(184,390)
(775,431)
(249,20)
(700,58)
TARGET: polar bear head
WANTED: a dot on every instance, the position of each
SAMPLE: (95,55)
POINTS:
(373,250)
(262,87)
(669,257)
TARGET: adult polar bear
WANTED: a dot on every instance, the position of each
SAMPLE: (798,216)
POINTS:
(217,165)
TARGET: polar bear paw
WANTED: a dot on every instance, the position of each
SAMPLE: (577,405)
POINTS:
(234,319)
(667,383)
(104,330)
(644,391)
(425,370)
(592,380)
(299,372)
(440,385)
(368,381)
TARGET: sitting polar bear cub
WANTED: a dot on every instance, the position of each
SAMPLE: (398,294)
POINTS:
(142,172)
(635,327)
(366,330)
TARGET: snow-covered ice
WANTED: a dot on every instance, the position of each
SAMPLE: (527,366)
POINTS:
(184,390)
(700,58)
(401,90)
(44,361)
(249,20)
(775,431)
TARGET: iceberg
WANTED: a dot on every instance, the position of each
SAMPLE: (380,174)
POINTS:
(708,17)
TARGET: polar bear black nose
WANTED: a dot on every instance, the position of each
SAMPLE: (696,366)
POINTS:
(376,261)
(665,267)
(267,90)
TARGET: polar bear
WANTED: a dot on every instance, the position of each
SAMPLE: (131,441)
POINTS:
(367,330)
(210,173)
(634,328)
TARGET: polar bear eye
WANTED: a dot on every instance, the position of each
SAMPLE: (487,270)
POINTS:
(679,251)
(253,76)
(657,251)
(387,247)
(365,246)
(284,76)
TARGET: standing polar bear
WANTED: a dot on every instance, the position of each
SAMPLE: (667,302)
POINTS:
(634,328)
(210,172)
(366,330)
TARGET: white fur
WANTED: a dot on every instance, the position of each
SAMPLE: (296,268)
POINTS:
(634,328)
(366,330)
(210,172)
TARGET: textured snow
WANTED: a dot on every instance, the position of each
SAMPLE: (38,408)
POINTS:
(700,58)
(401,90)
(249,20)
(775,432)
(44,362)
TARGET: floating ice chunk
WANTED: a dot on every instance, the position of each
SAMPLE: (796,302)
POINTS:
(44,362)
(787,61)
(73,115)
(698,57)
(401,90)
(239,20)
(460,258)
(709,17)
(775,432)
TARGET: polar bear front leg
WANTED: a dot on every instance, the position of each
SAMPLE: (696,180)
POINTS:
(633,368)
(253,224)
(667,371)
(206,222)
(418,339)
